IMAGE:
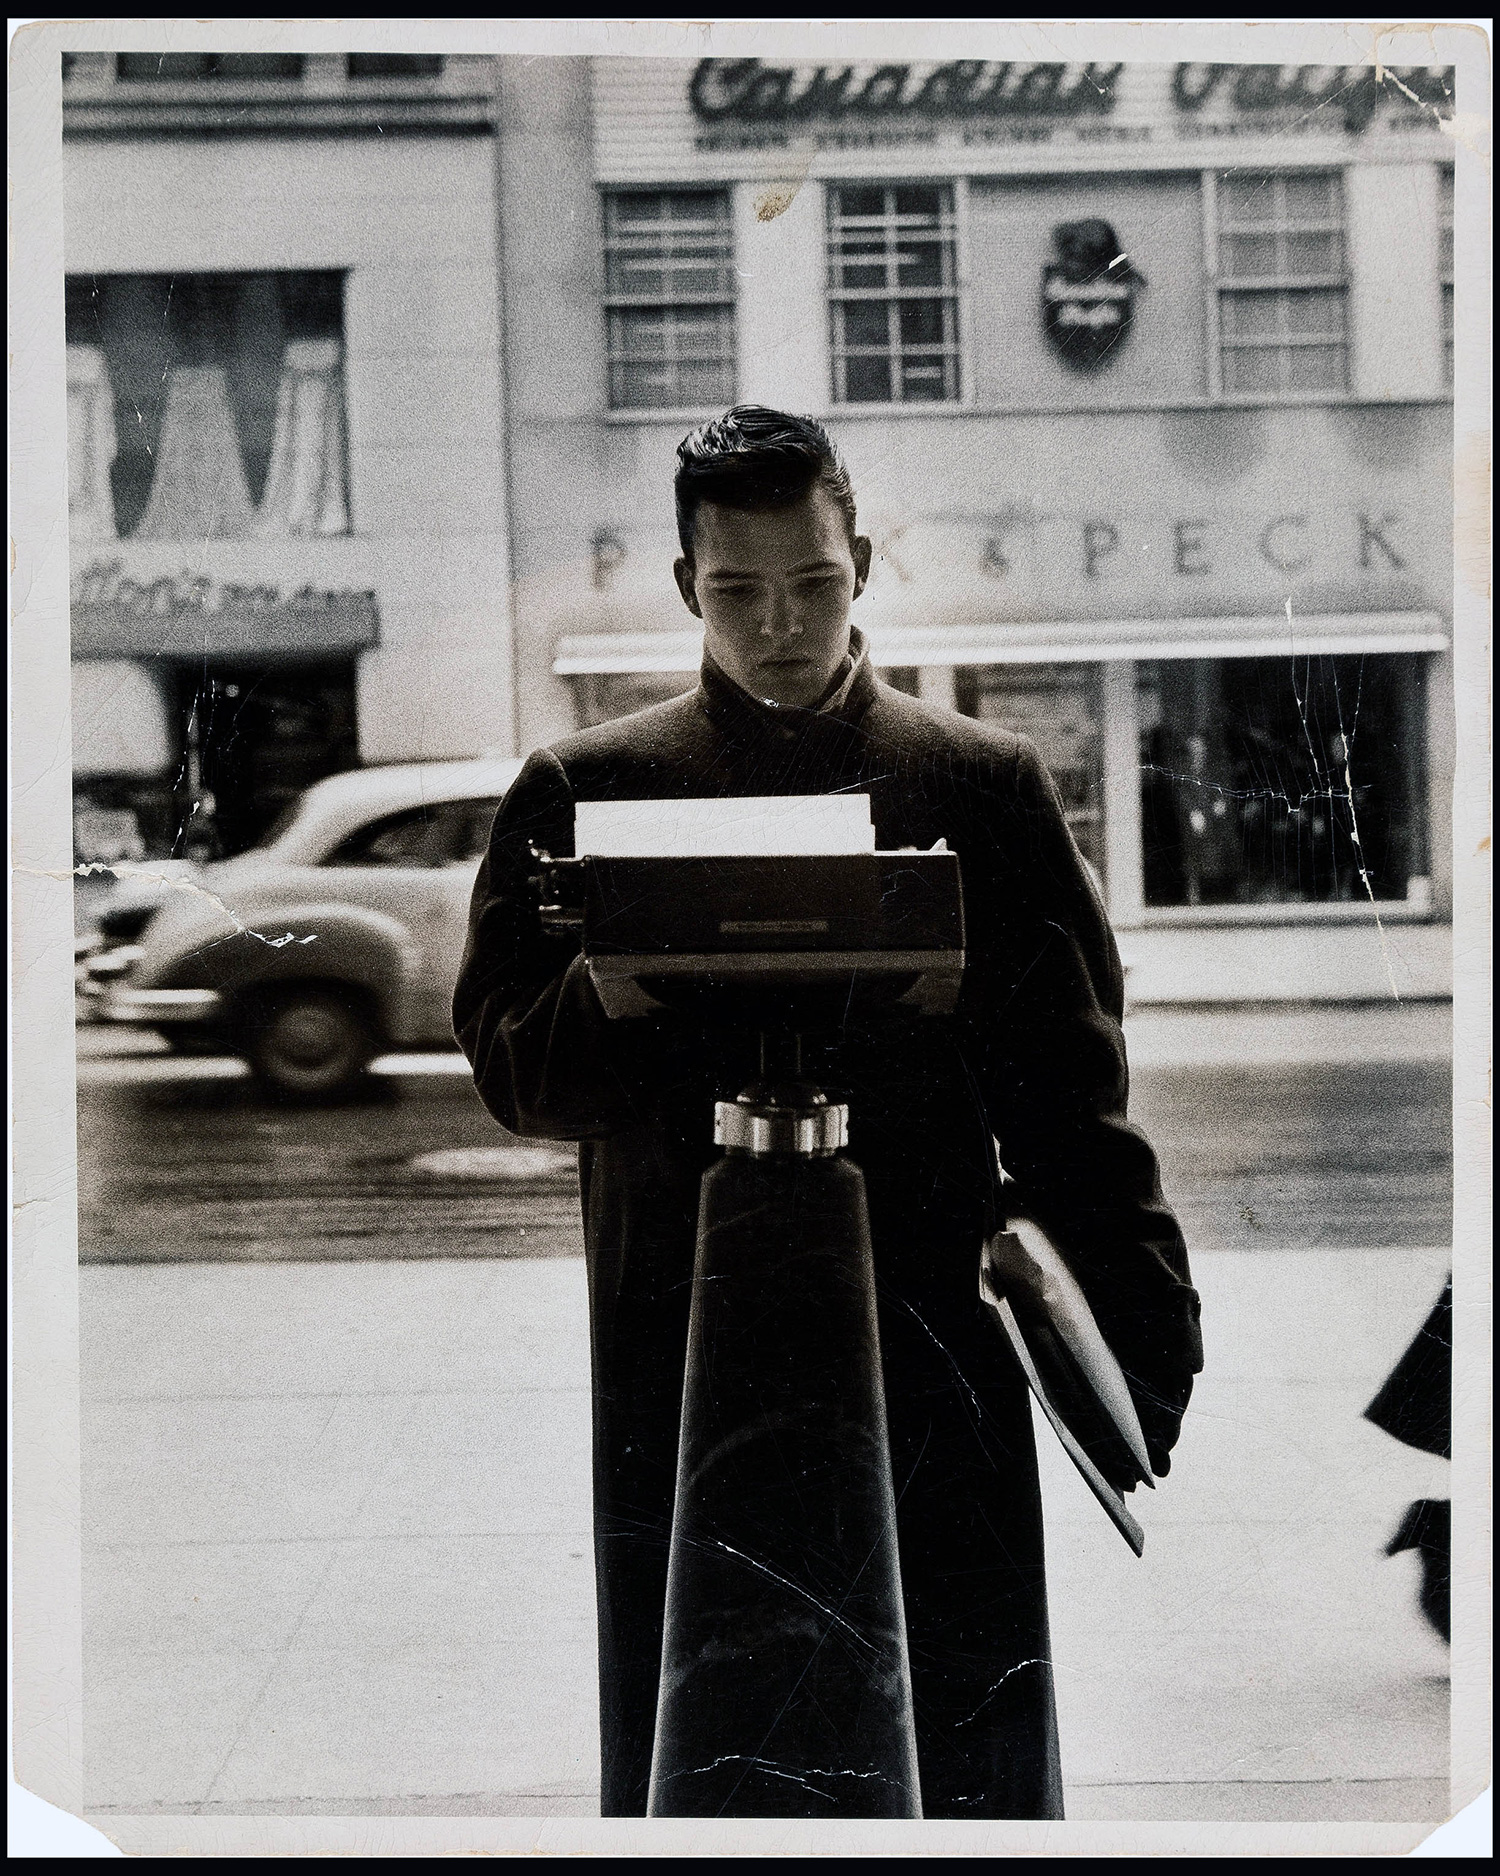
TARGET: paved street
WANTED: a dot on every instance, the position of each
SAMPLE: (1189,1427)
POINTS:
(337,1554)
(179,1159)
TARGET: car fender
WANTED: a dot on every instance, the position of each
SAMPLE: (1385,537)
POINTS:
(333,943)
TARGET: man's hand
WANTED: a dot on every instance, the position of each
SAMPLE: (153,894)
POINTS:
(1160,1407)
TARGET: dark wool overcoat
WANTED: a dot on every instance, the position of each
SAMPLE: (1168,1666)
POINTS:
(1033,1058)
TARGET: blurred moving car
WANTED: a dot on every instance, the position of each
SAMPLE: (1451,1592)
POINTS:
(336,940)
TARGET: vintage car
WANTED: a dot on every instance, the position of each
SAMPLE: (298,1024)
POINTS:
(335,941)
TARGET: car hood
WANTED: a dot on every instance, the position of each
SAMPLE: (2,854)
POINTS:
(206,903)
(136,892)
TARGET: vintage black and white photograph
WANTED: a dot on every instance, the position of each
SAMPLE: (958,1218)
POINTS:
(767,859)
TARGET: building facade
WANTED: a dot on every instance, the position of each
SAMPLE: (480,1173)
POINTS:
(287,500)
(1143,374)
(1147,405)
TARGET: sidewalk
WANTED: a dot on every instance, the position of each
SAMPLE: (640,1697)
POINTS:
(1181,1036)
(347,1571)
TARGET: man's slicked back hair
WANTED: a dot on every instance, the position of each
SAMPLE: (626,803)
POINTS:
(755,459)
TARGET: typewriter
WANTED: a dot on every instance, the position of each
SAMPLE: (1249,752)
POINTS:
(755,937)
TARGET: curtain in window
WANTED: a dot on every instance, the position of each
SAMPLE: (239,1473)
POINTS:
(91,446)
(305,481)
(199,490)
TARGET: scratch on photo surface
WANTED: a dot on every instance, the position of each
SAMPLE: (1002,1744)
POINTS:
(750,1760)
(1346,738)
(1032,1661)
(127,870)
(797,1589)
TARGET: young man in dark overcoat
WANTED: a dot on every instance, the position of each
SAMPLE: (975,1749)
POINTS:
(1033,1057)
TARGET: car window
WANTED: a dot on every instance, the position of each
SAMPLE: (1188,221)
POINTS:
(283,822)
(474,835)
(420,836)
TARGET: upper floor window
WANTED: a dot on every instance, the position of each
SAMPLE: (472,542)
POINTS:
(669,297)
(394,65)
(205,406)
(1282,283)
(1445,265)
(893,293)
(186,67)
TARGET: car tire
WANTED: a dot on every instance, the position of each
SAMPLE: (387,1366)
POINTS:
(309,1044)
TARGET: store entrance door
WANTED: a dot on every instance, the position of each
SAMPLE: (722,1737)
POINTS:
(252,738)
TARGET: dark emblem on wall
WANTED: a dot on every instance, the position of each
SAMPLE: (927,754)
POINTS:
(1088,293)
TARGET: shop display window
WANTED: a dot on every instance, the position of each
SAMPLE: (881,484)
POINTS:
(601,696)
(893,293)
(252,737)
(1282,283)
(1059,708)
(1283,781)
(669,298)
(206,406)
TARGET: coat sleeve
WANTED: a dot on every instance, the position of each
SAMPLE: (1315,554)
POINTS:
(547,1061)
(1044,1008)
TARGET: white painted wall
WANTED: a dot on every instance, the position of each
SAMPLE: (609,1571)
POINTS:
(1395,300)
(781,266)
(1353,963)
(413,222)
(119,719)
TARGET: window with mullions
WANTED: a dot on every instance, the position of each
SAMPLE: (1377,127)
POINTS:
(184,67)
(893,293)
(1445,266)
(669,297)
(1282,284)
(394,65)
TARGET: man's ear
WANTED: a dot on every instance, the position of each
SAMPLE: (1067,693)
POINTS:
(682,570)
(862,550)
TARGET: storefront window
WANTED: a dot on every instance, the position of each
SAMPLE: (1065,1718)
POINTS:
(207,406)
(1282,781)
(1058,706)
(669,293)
(1445,265)
(1282,285)
(893,293)
(252,738)
(601,696)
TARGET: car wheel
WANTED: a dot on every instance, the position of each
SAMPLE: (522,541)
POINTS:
(309,1044)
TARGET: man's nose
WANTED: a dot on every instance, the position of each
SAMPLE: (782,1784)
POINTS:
(778,620)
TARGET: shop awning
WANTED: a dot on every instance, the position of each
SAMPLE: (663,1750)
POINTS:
(1051,641)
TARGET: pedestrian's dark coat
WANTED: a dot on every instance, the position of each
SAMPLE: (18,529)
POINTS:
(1033,1056)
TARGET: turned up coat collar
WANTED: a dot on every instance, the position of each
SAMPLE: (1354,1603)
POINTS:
(733,710)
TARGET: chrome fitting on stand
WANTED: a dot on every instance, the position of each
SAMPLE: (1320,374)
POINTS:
(782,1120)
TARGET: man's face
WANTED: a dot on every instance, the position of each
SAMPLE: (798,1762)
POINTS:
(773,591)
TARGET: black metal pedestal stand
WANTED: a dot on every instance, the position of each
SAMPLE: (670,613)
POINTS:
(785,1687)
